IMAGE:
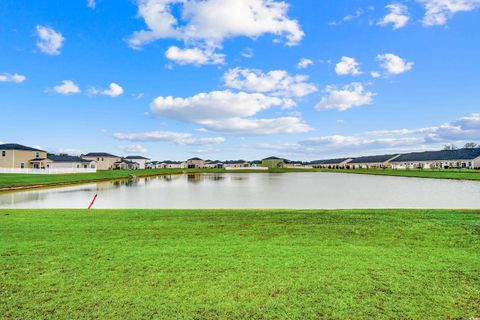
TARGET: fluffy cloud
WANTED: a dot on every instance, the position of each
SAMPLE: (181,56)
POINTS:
(16,78)
(397,16)
(352,143)
(228,112)
(439,11)
(358,13)
(463,129)
(133,149)
(66,88)
(207,23)
(194,56)
(304,63)
(342,99)
(277,82)
(347,66)
(242,126)
(49,41)
(393,64)
(114,90)
(181,138)
(91,4)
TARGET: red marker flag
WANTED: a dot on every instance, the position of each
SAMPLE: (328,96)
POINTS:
(91,203)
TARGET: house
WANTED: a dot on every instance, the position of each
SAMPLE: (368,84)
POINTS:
(194,163)
(237,164)
(273,162)
(215,164)
(142,161)
(373,162)
(105,161)
(340,163)
(468,158)
(70,162)
(124,164)
(171,164)
(17,156)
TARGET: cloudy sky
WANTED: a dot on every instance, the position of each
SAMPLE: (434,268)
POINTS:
(227,79)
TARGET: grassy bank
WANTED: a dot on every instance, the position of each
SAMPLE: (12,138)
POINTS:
(28,180)
(397,264)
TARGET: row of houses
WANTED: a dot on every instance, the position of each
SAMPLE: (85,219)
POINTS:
(19,157)
(465,158)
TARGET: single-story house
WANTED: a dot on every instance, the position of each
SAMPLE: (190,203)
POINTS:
(194,163)
(17,156)
(142,161)
(70,162)
(372,162)
(105,161)
(237,164)
(468,158)
(214,164)
(171,164)
(124,164)
(274,162)
(331,163)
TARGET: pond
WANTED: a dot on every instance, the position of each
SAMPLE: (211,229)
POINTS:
(256,190)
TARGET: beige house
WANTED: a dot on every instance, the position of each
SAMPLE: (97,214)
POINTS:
(237,164)
(17,156)
(331,163)
(194,163)
(373,162)
(105,161)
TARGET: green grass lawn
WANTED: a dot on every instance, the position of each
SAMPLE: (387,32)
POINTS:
(21,180)
(152,264)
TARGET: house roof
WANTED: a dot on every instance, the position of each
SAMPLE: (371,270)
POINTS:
(170,162)
(459,154)
(56,158)
(374,159)
(15,146)
(330,161)
(195,159)
(39,160)
(274,158)
(137,157)
(124,160)
(99,154)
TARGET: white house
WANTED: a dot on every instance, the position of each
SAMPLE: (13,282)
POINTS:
(467,158)
(70,162)
(142,161)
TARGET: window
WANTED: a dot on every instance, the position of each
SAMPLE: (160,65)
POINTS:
(37,154)
(78,166)
(98,159)
(102,159)
(4,153)
(22,165)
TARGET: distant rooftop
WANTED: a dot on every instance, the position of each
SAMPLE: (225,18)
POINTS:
(56,158)
(274,158)
(100,154)
(330,161)
(15,146)
(136,157)
(459,154)
(373,159)
(195,159)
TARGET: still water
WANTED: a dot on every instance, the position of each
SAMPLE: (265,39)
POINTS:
(257,190)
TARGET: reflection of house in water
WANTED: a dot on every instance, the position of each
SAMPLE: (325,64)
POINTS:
(215,177)
(195,178)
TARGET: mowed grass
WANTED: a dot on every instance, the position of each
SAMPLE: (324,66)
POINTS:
(25,180)
(228,264)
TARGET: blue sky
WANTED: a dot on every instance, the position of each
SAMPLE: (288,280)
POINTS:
(222,78)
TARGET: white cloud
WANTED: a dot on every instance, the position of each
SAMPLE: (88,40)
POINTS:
(304,63)
(358,13)
(248,53)
(194,56)
(228,112)
(463,129)
(66,88)
(375,74)
(181,138)
(393,64)
(347,66)
(362,143)
(7,77)
(69,151)
(277,82)
(49,41)
(207,23)
(258,126)
(342,99)
(439,11)
(91,4)
(114,90)
(397,16)
(133,149)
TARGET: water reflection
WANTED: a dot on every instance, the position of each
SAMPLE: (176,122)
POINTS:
(256,190)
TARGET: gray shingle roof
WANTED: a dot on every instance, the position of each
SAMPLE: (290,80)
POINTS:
(136,157)
(15,146)
(100,154)
(274,158)
(196,159)
(460,154)
(330,161)
(373,159)
(55,158)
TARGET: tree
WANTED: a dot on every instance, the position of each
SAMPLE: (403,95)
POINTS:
(470,145)
(450,147)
